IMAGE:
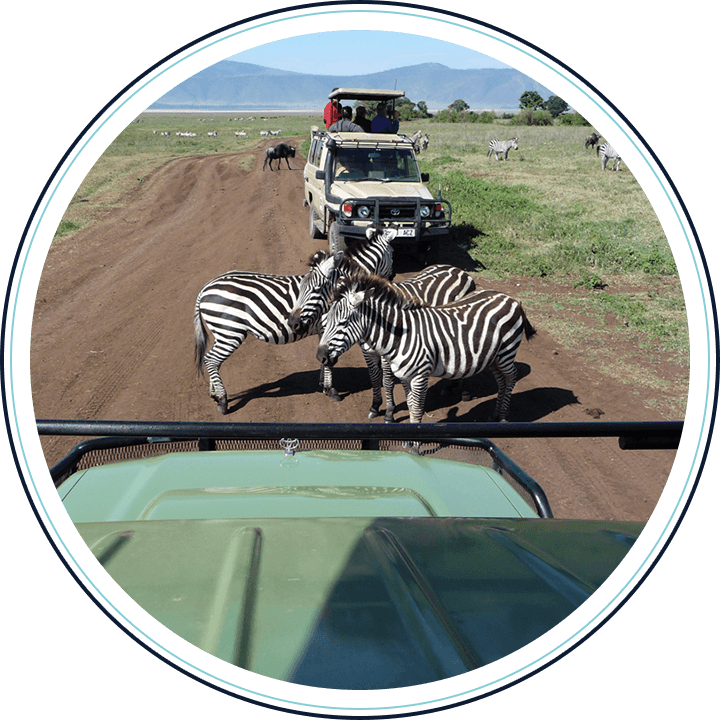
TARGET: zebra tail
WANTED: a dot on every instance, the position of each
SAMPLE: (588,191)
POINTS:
(528,329)
(200,339)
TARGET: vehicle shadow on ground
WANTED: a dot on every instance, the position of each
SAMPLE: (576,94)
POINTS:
(453,250)
(303,383)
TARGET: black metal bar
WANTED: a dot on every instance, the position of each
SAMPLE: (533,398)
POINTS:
(633,433)
(69,464)
(502,461)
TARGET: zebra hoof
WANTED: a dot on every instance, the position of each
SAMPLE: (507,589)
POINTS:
(222,408)
(373,413)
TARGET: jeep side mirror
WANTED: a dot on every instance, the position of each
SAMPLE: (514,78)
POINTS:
(319,174)
(424,177)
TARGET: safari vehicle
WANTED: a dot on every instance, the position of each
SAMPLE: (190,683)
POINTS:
(353,179)
(335,555)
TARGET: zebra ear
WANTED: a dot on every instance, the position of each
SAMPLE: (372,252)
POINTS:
(359,296)
(389,233)
(329,263)
(339,255)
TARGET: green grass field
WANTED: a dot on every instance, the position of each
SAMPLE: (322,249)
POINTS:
(548,212)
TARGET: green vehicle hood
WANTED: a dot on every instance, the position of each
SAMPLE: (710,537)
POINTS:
(359,603)
(317,483)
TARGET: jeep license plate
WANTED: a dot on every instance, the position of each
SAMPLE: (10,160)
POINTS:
(406,232)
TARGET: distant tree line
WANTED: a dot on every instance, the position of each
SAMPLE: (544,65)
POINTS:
(533,111)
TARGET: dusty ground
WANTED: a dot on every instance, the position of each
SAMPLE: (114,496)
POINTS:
(113,338)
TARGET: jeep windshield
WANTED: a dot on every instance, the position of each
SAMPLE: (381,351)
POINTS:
(381,165)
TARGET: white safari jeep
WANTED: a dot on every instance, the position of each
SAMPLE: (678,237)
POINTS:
(354,179)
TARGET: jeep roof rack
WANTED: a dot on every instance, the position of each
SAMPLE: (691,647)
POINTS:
(364,94)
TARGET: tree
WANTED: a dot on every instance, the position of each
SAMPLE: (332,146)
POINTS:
(423,109)
(459,106)
(557,106)
(531,100)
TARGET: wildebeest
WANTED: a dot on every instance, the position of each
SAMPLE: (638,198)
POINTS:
(278,153)
(592,140)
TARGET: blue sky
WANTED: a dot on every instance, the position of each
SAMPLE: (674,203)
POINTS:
(361,52)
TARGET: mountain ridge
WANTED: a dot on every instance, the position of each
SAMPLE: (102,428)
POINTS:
(234,85)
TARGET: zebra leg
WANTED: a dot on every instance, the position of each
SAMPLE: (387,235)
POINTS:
(389,385)
(416,391)
(326,382)
(220,352)
(506,377)
(373,362)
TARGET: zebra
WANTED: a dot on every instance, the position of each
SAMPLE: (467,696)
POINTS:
(608,152)
(502,147)
(435,285)
(240,303)
(457,340)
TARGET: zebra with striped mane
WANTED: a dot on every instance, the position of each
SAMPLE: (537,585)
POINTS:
(608,152)
(240,303)
(502,147)
(435,285)
(417,341)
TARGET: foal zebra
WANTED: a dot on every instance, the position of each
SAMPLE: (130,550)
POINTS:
(608,152)
(458,340)
(240,303)
(502,147)
(435,285)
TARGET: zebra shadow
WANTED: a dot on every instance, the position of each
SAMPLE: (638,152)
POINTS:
(302,383)
(526,406)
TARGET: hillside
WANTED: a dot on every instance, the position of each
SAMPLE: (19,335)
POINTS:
(233,85)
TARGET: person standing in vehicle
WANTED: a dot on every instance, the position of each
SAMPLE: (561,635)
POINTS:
(345,124)
(361,119)
(332,112)
(381,122)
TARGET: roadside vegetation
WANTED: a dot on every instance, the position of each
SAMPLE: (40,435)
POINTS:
(548,217)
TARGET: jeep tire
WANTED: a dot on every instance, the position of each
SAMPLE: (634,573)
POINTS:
(336,240)
(315,233)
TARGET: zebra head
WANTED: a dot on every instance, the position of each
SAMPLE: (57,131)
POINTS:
(343,323)
(377,256)
(315,290)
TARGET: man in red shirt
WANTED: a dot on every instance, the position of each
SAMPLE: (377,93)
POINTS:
(332,112)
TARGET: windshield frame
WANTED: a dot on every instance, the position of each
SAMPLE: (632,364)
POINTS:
(375,164)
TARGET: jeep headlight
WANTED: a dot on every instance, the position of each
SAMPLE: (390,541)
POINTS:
(425,211)
(363,211)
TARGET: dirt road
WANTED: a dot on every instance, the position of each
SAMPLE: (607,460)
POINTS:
(113,337)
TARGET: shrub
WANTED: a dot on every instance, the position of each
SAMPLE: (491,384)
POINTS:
(573,119)
(532,117)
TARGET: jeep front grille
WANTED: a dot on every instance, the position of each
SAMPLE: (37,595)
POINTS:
(397,212)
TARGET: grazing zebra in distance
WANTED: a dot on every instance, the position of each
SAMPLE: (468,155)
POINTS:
(502,147)
(239,303)
(435,285)
(608,152)
(458,340)
(592,140)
